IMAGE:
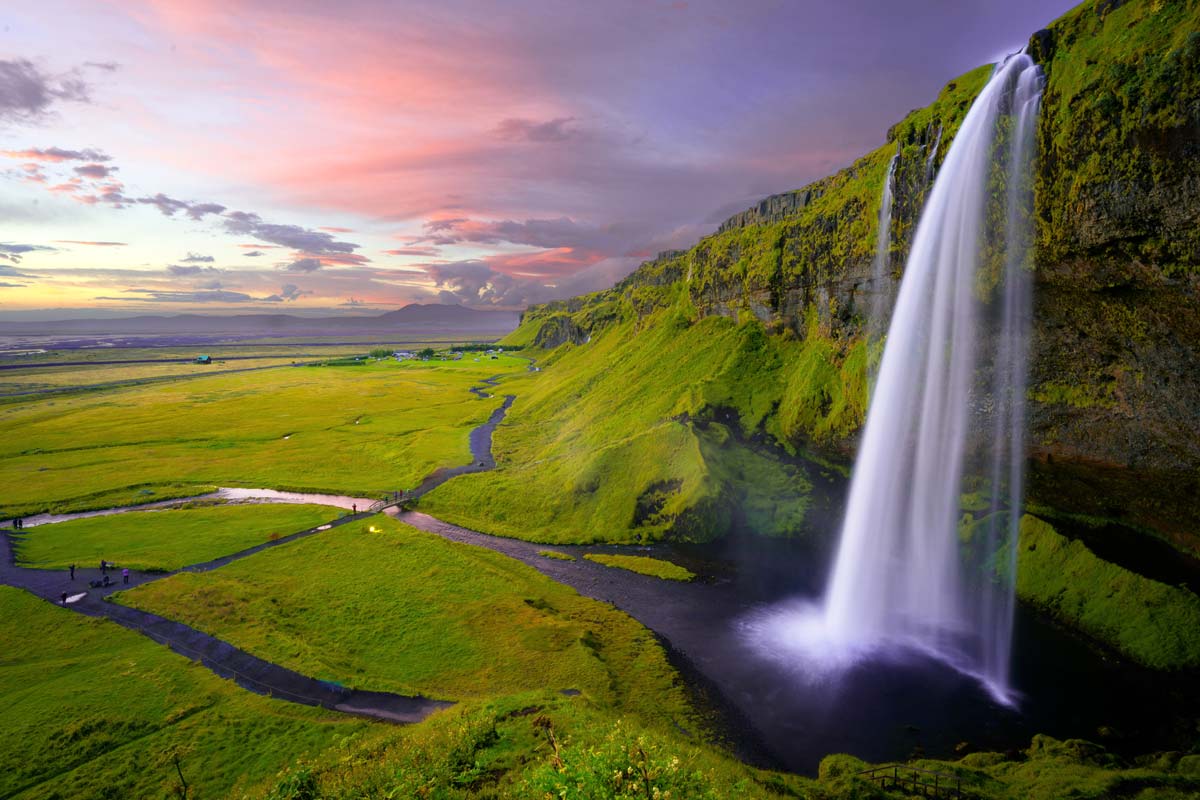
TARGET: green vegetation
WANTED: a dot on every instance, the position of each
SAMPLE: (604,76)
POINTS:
(643,565)
(43,378)
(405,611)
(531,746)
(555,554)
(1049,770)
(375,429)
(571,469)
(164,539)
(94,710)
(1151,622)
(1119,115)
(539,745)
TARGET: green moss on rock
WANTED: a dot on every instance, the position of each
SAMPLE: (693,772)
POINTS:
(1152,623)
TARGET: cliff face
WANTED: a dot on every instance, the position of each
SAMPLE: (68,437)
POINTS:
(1114,409)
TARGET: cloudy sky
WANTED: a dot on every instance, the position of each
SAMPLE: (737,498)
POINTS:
(182,155)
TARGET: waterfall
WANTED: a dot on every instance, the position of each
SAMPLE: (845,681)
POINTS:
(905,576)
(901,573)
(880,292)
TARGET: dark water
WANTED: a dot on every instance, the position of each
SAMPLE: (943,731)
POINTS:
(905,703)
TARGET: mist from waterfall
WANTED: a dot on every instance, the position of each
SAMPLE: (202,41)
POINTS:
(946,416)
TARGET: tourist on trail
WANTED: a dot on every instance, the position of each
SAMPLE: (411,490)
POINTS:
(354,508)
(64,598)
(103,567)
(125,576)
(72,572)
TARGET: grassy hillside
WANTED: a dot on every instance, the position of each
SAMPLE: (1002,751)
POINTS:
(630,437)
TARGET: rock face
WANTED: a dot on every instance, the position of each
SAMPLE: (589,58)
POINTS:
(1114,409)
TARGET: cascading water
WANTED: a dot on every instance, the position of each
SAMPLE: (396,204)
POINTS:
(904,575)
(880,293)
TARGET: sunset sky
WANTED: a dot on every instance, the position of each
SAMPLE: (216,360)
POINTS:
(181,155)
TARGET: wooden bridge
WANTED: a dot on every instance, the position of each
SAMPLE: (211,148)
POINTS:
(914,780)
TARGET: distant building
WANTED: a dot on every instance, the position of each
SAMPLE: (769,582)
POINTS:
(404,355)
(203,359)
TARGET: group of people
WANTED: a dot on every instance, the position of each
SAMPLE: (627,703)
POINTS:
(105,566)
(18,524)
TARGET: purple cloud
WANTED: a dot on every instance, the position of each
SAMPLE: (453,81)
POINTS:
(95,171)
(27,93)
(291,236)
(303,265)
(288,293)
(169,205)
(13,253)
(56,154)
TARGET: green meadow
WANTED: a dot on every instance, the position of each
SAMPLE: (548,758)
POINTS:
(378,605)
(643,565)
(95,710)
(369,430)
(165,539)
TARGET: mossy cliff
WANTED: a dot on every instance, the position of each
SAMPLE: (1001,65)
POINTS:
(1114,407)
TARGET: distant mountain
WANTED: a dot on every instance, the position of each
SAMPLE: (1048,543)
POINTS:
(426,318)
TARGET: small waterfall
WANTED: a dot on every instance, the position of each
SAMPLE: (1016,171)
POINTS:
(905,576)
(881,295)
(933,151)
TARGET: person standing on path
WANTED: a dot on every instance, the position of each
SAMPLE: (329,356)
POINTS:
(125,576)
(354,508)
(103,567)
(72,572)
(64,598)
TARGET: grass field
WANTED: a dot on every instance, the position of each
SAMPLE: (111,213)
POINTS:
(91,710)
(365,431)
(405,611)
(165,539)
(40,378)
(643,565)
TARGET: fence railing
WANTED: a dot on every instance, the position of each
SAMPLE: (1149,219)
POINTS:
(914,780)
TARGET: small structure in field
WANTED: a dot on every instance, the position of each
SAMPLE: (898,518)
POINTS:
(203,359)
